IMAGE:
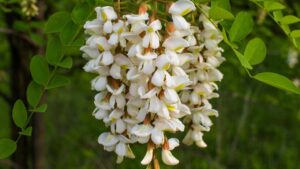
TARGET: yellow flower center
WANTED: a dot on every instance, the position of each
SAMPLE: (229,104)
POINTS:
(124,67)
(150,29)
(166,67)
(179,87)
(100,48)
(179,48)
(186,11)
(170,107)
(104,16)
(120,31)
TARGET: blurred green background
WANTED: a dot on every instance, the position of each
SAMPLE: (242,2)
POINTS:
(258,126)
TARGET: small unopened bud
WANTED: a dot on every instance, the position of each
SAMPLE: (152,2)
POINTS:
(143,9)
(170,27)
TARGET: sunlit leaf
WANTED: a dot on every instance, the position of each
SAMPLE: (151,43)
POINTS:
(255,51)
(241,27)
(277,81)
(290,19)
(273,6)
(218,13)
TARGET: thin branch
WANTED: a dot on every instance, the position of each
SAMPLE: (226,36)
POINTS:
(18,34)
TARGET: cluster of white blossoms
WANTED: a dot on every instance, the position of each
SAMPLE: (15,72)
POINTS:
(29,7)
(150,76)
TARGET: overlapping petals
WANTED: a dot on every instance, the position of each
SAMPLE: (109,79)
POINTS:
(152,81)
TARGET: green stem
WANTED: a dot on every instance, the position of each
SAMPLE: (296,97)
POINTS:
(32,111)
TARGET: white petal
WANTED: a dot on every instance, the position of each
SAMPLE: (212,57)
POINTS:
(136,18)
(148,157)
(154,40)
(121,149)
(156,25)
(182,7)
(107,139)
(115,71)
(109,12)
(108,27)
(173,142)
(150,93)
(90,51)
(146,40)
(116,114)
(171,96)
(176,44)
(107,58)
(99,83)
(180,22)
(120,159)
(148,67)
(100,114)
(188,140)
(114,39)
(155,105)
(157,136)
(164,112)
(168,158)
(121,101)
(120,126)
(158,78)
(163,62)
(93,27)
(141,130)
(132,74)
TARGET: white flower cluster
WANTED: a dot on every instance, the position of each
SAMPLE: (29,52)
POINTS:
(149,78)
(30,8)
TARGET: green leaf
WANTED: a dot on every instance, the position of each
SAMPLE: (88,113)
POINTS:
(7,148)
(278,15)
(57,21)
(289,19)
(67,63)
(39,70)
(58,81)
(34,93)
(218,13)
(81,13)
(26,132)
(273,6)
(69,33)
(242,59)
(255,51)
(277,81)
(54,50)
(42,108)
(19,114)
(37,38)
(225,4)
(21,26)
(241,27)
(295,34)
